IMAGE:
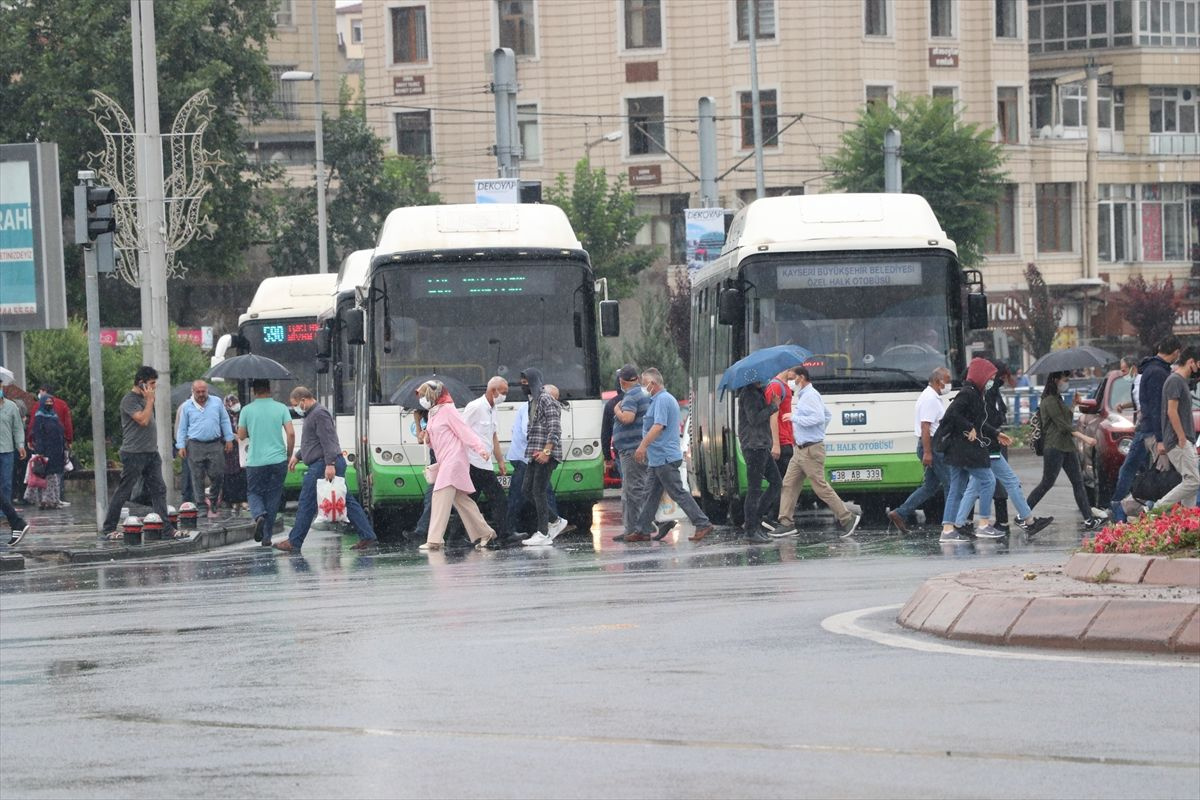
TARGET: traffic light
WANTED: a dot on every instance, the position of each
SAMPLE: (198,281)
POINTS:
(93,212)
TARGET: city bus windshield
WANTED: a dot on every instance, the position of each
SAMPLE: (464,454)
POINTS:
(471,321)
(872,320)
(288,341)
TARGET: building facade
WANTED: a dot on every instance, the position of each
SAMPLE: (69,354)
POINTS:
(619,81)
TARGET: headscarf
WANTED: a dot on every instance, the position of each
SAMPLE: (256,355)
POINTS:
(46,407)
(533,377)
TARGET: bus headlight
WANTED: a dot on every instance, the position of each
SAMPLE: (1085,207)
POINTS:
(387,455)
(576,452)
(587,450)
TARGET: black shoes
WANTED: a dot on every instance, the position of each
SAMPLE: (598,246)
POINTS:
(259,523)
(758,537)
(663,529)
(1032,525)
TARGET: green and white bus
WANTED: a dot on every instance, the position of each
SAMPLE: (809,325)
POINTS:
(872,286)
(465,292)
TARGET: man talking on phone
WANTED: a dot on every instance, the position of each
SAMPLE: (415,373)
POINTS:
(139,453)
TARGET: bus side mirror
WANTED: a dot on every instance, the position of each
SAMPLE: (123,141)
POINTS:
(322,340)
(355,326)
(730,307)
(977,312)
(610,318)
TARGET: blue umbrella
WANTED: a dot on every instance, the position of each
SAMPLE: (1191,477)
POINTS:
(761,365)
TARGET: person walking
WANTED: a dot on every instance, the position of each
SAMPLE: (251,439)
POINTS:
(61,410)
(233,487)
(781,388)
(1152,374)
(965,435)
(319,447)
(452,439)
(629,418)
(49,441)
(1008,486)
(266,424)
(480,416)
(661,452)
(607,424)
(203,436)
(12,447)
(1129,371)
(1058,450)
(517,500)
(1179,429)
(759,440)
(809,419)
(929,412)
(543,452)
(139,454)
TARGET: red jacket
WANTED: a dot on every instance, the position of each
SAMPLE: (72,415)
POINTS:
(64,416)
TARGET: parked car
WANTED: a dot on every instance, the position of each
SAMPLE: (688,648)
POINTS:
(1113,431)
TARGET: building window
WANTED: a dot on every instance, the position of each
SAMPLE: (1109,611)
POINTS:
(529,132)
(665,225)
(764,22)
(1057,25)
(941,19)
(1054,218)
(1006,19)
(879,94)
(410,42)
(1003,240)
(1041,105)
(875,18)
(1164,222)
(517,27)
(283,101)
(356,31)
(1169,23)
(414,134)
(283,14)
(1173,109)
(646,127)
(643,24)
(770,118)
(1117,222)
(1008,118)
(944,93)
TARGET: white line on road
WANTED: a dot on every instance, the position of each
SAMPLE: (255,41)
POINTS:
(847,624)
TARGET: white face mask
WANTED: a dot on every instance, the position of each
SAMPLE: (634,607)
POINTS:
(794,386)
(425,403)
(299,409)
(236,407)
(945,390)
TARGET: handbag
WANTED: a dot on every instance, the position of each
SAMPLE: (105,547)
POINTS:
(431,472)
(68,461)
(39,465)
(32,479)
(1155,479)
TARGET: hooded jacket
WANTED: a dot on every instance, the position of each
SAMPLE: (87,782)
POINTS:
(966,412)
(1154,372)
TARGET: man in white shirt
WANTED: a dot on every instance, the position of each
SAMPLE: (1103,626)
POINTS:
(480,415)
(929,411)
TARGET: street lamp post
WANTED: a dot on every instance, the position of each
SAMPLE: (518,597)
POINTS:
(614,136)
(299,75)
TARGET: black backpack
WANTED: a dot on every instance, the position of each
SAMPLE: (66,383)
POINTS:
(1037,437)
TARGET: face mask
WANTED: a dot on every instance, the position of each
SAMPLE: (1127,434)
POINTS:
(945,390)
(299,409)
(525,388)
(987,386)
(794,386)
(1,391)
(425,404)
(236,407)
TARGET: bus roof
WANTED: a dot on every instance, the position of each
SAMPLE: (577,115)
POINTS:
(354,270)
(291,296)
(837,222)
(485,226)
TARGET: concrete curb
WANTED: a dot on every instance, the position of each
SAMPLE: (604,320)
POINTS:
(196,541)
(1044,607)
(1130,568)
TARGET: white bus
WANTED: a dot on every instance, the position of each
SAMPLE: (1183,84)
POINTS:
(466,292)
(872,286)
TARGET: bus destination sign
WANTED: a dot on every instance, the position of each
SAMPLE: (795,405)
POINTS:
(289,333)
(848,276)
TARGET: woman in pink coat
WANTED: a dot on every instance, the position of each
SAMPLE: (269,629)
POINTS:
(450,439)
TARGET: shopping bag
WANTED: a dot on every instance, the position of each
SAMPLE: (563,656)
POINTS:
(32,479)
(331,500)
(668,509)
(68,461)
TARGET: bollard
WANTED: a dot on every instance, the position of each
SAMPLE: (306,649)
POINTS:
(152,528)
(188,516)
(173,516)
(133,531)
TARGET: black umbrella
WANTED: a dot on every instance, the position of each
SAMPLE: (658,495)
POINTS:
(1072,358)
(184,390)
(250,367)
(405,394)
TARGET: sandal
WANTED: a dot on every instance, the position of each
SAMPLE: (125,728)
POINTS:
(484,541)
(430,547)
(116,536)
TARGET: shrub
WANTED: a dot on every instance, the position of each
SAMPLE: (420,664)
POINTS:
(1175,530)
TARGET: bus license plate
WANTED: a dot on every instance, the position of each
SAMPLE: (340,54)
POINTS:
(853,475)
(505,480)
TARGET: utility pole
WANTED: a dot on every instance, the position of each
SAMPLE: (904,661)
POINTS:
(504,87)
(891,160)
(152,253)
(760,184)
(322,221)
(1092,200)
(708,152)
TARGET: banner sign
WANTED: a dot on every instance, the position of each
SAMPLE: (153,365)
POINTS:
(32,285)
(128,337)
(848,276)
(705,235)
(498,190)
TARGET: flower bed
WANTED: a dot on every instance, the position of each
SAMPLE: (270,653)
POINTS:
(1173,531)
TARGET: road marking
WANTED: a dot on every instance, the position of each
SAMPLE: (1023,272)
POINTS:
(847,624)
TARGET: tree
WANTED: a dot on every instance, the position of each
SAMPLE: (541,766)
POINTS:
(955,166)
(679,315)
(654,349)
(1150,308)
(54,52)
(364,184)
(606,221)
(1040,324)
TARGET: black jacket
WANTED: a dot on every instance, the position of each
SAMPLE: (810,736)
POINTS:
(1154,373)
(754,418)
(997,414)
(966,411)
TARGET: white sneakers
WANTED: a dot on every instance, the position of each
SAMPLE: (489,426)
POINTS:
(539,539)
(558,526)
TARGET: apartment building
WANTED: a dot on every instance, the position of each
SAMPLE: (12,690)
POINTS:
(619,81)
(350,44)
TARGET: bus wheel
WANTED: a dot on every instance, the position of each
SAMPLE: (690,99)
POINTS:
(736,511)
(874,509)
(714,509)
(391,523)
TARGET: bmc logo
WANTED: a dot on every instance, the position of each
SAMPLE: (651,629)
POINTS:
(854,417)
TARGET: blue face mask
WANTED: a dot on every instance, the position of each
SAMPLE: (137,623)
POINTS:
(1,391)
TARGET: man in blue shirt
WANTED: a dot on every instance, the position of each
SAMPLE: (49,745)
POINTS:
(203,436)
(628,417)
(661,452)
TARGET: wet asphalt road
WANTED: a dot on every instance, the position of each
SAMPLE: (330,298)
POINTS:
(584,670)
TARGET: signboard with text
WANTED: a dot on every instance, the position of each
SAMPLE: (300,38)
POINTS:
(498,190)
(32,285)
(705,235)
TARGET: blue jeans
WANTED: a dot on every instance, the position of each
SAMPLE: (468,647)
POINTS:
(968,484)
(937,476)
(6,476)
(264,490)
(1135,459)
(1008,479)
(516,497)
(306,509)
